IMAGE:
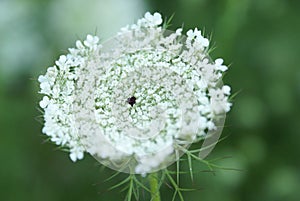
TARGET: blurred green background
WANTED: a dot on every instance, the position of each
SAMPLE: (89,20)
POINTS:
(259,38)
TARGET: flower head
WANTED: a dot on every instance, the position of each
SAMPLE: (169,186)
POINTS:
(135,99)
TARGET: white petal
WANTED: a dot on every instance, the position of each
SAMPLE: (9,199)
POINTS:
(190,33)
(226,89)
(222,68)
(79,44)
(197,32)
(42,78)
(44,102)
(73,157)
(80,155)
(157,18)
(205,42)
(179,31)
(62,59)
(89,38)
(96,39)
(148,16)
(219,61)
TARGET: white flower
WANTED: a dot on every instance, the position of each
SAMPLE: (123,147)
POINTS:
(45,79)
(91,42)
(154,19)
(79,45)
(45,88)
(136,100)
(219,65)
(44,102)
(76,154)
(178,31)
(226,89)
(199,40)
(62,62)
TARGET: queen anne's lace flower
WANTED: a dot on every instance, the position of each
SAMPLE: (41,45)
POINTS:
(134,100)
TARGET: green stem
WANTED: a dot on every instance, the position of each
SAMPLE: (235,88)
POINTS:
(154,186)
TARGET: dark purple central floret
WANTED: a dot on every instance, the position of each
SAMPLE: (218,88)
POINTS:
(131,100)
